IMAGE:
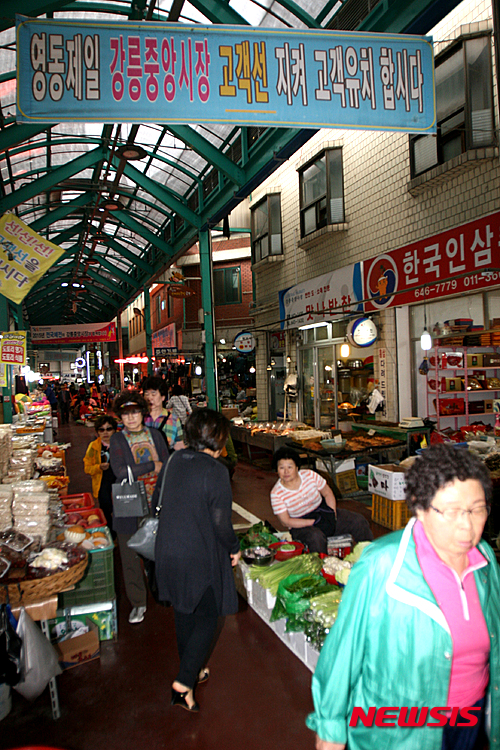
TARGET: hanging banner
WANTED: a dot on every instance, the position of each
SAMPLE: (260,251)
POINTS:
(327,297)
(72,334)
(13,347)
(165,338)
(460,260)
(25,257)
(108,71)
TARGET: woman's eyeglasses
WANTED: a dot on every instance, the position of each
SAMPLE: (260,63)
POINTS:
(453,514)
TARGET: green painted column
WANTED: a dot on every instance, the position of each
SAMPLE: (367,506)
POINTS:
(7,392)
(205,240)
(147,329)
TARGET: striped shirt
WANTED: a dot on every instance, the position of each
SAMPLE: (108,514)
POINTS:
(301,501)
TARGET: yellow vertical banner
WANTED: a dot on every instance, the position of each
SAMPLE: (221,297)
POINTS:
(25,257)
(13,348)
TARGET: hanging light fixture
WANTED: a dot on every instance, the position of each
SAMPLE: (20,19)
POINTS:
(269,368)
(425,338)
(131,152)
(288,359)
(252,369)
(273,362)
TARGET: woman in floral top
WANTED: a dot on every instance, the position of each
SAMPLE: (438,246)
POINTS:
(145,451)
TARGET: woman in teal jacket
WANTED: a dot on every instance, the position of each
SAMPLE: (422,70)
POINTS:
(392,645)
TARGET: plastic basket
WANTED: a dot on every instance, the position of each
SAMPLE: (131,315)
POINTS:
(98,583)
(83,501)
(393,514)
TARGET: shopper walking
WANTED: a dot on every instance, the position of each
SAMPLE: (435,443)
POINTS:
(96,463)
(196,547)
(179,404)
(306,505)
(155,393)
(419,622)
(64,399)
(143,450)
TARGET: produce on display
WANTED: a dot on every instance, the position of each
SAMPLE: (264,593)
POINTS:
(271,577)
(321,616)
(258,535)
(293,598)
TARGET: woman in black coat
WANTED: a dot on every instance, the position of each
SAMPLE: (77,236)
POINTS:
(196,547)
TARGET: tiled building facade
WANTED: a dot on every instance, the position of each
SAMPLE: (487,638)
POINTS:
(385,208)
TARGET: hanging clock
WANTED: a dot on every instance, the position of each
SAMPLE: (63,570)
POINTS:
(361,332)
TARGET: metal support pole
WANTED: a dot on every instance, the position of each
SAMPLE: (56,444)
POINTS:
(7,392)
(205,241)
(120,349)
(147,329)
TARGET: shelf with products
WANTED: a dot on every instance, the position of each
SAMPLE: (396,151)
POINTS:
(453,397)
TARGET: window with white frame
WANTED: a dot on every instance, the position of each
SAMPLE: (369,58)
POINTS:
(266,228)
(464,104)
(321,192)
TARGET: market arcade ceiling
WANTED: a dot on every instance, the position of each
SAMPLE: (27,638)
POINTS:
(124,201)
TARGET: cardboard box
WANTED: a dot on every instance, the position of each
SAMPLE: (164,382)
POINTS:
(346,481)
(230,411)
(474,360)
(387,480)
(488,406)
(451,384)
(83,648)
(491,360)
(104,616)
(477,407)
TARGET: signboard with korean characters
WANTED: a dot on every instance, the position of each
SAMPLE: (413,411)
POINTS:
(327,297)
(244,342)
(458,261)
(73,334)
(25,256)
(13,347)
(109,71)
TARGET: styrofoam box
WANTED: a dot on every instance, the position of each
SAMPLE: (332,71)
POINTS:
(312,656)
(387,480)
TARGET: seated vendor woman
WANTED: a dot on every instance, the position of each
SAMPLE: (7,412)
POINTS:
(306,505)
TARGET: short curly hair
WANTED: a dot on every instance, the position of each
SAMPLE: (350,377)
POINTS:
(206,428)
(285,454)
(128,397)
(440,466)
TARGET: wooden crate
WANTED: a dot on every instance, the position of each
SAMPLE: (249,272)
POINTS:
(393,514)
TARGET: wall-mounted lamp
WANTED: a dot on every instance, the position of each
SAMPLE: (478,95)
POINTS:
(345,350)
(269,368)
(138,312)
(222,341)
(273,362)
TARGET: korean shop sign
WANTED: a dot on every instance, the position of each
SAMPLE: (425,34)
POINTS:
(174,73)
(13,347)
(25,256)
(460,260)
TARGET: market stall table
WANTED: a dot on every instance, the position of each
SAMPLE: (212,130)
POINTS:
(259,439)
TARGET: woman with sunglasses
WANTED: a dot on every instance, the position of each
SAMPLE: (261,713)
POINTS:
(96,463)
(144,450)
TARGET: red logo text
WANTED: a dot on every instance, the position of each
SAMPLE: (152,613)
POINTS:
(391,716)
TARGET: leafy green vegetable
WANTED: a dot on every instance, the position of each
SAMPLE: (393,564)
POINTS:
(287,548)
(271,576)
(356,553)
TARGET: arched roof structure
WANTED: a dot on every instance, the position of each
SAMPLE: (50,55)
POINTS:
(121,222)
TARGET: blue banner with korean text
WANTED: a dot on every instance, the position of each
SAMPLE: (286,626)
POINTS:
(174,73)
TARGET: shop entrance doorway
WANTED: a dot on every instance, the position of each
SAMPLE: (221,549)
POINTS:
(318,386)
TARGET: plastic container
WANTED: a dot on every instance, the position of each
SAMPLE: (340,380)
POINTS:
(98,583)
(85,513)
(82,500)
(286,555)
(393,514)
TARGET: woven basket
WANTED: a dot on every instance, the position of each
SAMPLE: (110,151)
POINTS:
(27,592)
